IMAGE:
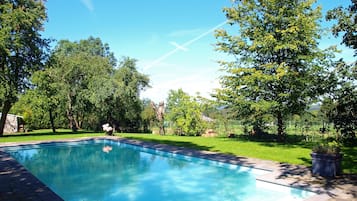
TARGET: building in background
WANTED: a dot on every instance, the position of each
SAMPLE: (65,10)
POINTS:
(13,123)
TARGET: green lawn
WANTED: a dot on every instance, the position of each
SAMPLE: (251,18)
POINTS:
(263,150)
(47,134)
(293,152)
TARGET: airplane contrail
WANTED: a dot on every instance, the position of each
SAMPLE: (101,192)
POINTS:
(183,46)
(178,46)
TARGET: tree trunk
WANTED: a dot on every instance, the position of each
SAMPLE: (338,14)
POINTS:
(112,123)
(77,123)
(52,121)
(281,134)
(162,130)
(5,110)
(70,115)
(162,127)
(72,123)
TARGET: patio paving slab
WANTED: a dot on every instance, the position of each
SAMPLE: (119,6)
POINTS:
(18,184)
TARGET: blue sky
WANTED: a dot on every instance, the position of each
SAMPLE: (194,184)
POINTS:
(153,32)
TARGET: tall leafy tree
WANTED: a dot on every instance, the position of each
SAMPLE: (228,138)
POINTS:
(278,68)
(342,103)
(47,96)
(21,48)
(82,78)
(127,106)
(34,107)
(185,113)
(148,115)
(81,67)
(346,24)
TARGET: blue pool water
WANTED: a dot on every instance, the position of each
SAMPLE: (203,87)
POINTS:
(83,171)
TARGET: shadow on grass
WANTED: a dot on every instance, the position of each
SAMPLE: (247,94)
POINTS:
(189,149)
(271,140)
(298,175)
(349,160)
(172,143)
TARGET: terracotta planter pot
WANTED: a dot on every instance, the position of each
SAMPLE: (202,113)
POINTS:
(326,165)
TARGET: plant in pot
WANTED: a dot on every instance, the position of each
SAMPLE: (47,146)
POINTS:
(326,159)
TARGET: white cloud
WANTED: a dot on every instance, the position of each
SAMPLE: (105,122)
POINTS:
(88,4)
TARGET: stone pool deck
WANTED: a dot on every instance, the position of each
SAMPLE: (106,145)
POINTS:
(17,184)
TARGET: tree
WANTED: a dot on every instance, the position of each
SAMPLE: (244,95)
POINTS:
(340,106)
(148,115)
(343,100)
(126,103)
(34,109)
(185,113)
(278,68)
(82,78)
(346,24)
(80,69)
(46,90)
(159,111)
(22,50)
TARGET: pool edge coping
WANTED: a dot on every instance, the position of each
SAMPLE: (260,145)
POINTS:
(271,166)
(21,183)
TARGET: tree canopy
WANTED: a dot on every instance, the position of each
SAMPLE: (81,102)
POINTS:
(277,71)
(185,113)
(80,68)
(342,102)
(346,24)
(278,67)
(83,84)
(22,50)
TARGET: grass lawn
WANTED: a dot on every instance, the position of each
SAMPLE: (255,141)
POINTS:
(293,152)
(263,150)
(47,134)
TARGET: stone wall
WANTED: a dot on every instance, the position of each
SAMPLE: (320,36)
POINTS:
(13,123)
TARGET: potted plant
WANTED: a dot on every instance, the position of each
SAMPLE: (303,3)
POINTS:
(326,160)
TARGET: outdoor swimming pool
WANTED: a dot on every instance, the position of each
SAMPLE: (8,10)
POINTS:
(110,170)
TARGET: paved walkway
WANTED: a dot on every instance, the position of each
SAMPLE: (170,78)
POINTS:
(17,184)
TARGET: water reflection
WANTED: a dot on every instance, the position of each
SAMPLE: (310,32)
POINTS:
(83,172)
